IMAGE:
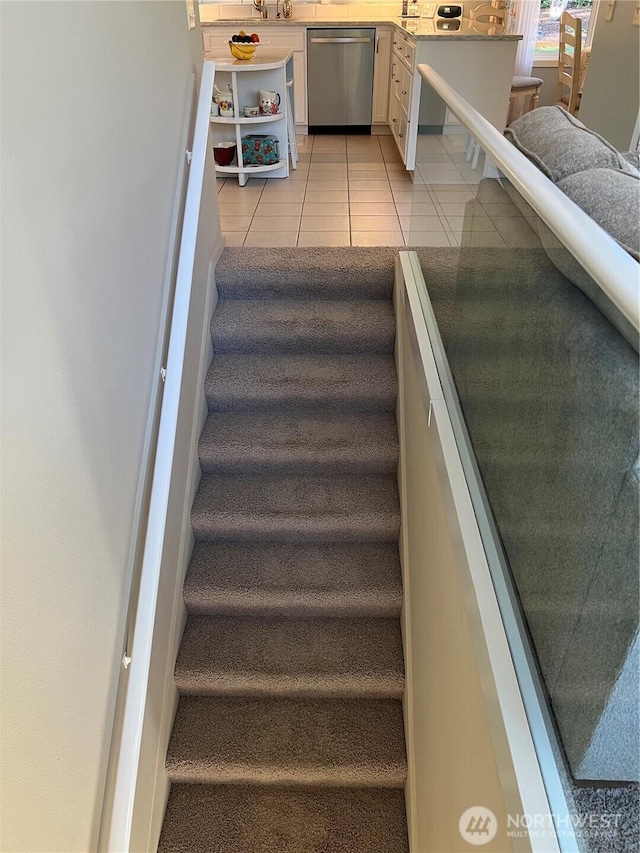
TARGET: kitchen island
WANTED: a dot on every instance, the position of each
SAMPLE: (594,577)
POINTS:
(477,60)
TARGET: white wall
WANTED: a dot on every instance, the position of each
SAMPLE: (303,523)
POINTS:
(93,100)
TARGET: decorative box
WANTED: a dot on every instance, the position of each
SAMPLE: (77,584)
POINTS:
(260,150)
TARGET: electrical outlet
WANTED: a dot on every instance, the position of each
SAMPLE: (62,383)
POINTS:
(429,10)
(636,15)
(610,10)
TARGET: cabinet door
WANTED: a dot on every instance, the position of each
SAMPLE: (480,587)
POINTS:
(381,77)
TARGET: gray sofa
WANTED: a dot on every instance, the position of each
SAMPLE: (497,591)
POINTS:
(601,180)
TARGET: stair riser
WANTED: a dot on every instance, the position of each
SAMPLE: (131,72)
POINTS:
(315,531)
(273,776)
(303,400)
(281,687)
(261,603)
(298,464)
(306,341)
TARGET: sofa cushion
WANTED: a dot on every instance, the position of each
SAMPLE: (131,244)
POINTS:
(611,197)
(560,145)
(633,158)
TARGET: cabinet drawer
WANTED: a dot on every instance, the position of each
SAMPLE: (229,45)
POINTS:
(404,48)
(401,86)
(293,39)
(409,51)
(398,125)
(216,41)
(404,88)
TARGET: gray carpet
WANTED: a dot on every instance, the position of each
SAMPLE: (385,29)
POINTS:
(270,420)
(289,732)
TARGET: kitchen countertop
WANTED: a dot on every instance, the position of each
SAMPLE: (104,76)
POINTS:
(262,61)
(423,29)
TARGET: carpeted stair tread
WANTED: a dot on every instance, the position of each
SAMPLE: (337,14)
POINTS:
(244,656)
(351,382)
(254,819)
(286,326)
(310,742)
(294,508)
(321,442)
(306,273)
(294,579)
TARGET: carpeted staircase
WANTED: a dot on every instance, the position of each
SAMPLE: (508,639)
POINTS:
(289,732)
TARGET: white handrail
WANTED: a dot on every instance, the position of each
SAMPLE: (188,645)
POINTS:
(134,710)
(614,270)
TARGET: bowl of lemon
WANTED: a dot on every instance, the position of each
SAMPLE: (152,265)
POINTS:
(243,46)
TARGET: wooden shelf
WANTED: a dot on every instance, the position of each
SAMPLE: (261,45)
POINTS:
(250,170)
(250,120)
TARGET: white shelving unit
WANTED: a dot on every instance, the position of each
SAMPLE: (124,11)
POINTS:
(267,71)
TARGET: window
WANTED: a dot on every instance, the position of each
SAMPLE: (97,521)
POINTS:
(549,24)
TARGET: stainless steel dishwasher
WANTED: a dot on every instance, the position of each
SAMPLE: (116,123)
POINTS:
(340,79)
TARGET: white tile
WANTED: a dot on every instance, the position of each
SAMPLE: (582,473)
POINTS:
(324,223)
(432,157)
(421,223)
(235,238)
(312,208)
(501,210)
(481,238)
(235,223)
(377,238)
(357,165)
(415,208)
(232,192)
(327,167)
(276,209)
(462,195)
(375,223)
(470,223)
(273,223)
(461,209)
(370,195)
(292,192)
(327,184)
(240,207)
(426,238)
(324,238)
(326,196)
(372,208)
(337,157)
(370,180)
(271,239)
(299,174)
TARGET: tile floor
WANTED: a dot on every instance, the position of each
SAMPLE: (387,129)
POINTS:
(355,191)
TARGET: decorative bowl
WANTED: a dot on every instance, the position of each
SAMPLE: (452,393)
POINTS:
(224,152)
(242,50)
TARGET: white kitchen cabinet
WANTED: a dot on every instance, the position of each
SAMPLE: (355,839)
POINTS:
(291,38)
(380,112)
(402,107)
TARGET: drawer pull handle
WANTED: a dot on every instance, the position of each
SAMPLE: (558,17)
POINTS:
(404,91)
(401,136)
(395,120)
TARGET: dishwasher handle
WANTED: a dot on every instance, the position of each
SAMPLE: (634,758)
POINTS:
(345,40)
